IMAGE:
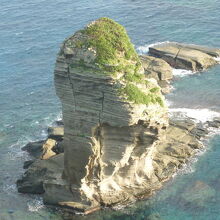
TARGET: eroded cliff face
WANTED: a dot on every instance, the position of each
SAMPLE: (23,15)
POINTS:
(114,117)
(117,144)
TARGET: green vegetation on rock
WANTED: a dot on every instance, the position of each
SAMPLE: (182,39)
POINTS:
(134,77)
(155,89)
(111,43)
(114,55)
(137,96)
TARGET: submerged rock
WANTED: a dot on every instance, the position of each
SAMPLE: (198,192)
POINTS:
(154,216)
(186,56)
(197,195)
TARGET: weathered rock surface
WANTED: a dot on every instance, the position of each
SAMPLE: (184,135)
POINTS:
(56,133)
(48,149)
(118,143)
(45,149)
(215,123)
(186,56)
(38,172)
(158,69)
(27,163)
(34,148)
(108,140)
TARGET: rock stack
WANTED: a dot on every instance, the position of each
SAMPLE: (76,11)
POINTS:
(118,142)
(113,115)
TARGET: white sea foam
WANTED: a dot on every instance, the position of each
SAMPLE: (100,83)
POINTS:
(145,49)
(19,33)
(213,132)
(168,102)
(35,204)
(200,115)
(182,72)
(217,59)
(14,150)
(9,188)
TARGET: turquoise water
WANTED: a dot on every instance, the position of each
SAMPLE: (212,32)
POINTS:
(30,35)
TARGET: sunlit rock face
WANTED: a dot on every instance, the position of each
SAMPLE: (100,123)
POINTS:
(113,115)
(186,56)
(117,144)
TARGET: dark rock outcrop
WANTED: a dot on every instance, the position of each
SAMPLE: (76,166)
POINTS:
(215,123)
(56,133)
(34,148)
(38,172)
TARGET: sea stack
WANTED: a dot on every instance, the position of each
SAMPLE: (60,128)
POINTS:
(116,143)
(113,115)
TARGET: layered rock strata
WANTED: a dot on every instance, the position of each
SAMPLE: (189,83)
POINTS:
(44,176)
(113,117)
(118,144)
(186,56)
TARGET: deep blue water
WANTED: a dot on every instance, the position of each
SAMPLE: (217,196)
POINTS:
(30,35)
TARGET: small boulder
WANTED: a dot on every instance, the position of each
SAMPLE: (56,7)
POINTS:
(59,123)
(48,149)
(159,70)
(56,133)
(159,67)
(34,148)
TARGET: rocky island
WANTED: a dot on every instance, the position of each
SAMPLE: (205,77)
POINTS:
(116,143)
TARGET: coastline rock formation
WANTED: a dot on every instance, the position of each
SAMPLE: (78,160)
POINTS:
(186,56)
(117,144)
(113,115)
(159,70)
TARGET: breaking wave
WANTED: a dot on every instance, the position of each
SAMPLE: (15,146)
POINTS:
(35,204)
(145,49)
(182,72)
(217,59)
(200,115)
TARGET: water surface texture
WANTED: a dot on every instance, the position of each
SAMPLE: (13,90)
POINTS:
(30,35)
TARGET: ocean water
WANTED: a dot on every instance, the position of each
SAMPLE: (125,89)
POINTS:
(30,35)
